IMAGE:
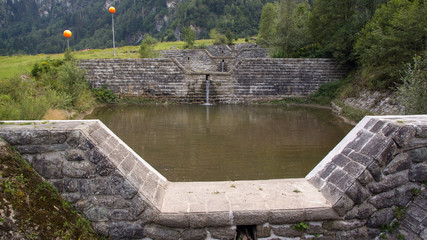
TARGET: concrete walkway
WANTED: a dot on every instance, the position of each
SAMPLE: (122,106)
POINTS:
(265,195)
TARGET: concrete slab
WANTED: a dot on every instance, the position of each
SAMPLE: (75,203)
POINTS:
(261,195)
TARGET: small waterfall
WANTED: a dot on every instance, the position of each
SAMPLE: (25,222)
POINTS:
(207,90)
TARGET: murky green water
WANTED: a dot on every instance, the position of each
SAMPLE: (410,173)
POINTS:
(226,142)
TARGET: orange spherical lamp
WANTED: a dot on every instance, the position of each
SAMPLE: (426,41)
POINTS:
(112,10)
(67,33)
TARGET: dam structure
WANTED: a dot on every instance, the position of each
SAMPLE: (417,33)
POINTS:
(241,74)
(371,185)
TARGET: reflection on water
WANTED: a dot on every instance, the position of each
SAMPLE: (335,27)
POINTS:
(226,142)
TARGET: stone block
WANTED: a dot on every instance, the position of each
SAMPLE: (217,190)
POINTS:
(421,132)
(343,225)
(332,193)
(380,218)
(126,190)
(360,233)
(263,230)
(358,193)
(399,163)
(404,134)
(73,154)
(404,194)
(197,220)
(139,174)
(223,233)
(71,185)
(365,178)
(375,171)
(101,228)
(97,214)
(343,205)
(362,211)
(345,182)
(122,215)
(360,141)
(341,160)
(48,165)
(389,182)
(354,169)
(250,217)
(384,199)
(173,220)
(319,214)
(360,158)
(128,163)
(286,231)
(418,173)
(379,148)
(82,169)
(218,219)
(127,230)
(95,156)
(100,135)
(418,155)
(288,216)
(327,170)
(58,137)
(71,197)
(104,167)
(194,234)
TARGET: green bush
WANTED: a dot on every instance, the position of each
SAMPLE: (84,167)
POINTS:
(146,49)
(104,95)
(413,91)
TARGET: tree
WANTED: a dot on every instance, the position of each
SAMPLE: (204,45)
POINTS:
(189,36)
(292,27)
(146,50)
(267,25)
(229,37)
(396,33)
(218,38)
(334,25)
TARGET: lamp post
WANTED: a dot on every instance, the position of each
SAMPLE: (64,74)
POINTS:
(112,10)
(67,34)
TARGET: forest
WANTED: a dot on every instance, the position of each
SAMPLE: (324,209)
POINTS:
(31,27)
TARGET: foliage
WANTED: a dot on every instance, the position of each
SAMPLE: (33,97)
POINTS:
(104,95)
(334,25)
(267,25)
(413,91)
(189,36)
(146,49)
(219,39)
(302,226)
(394,35)
(56,84)
(229,37)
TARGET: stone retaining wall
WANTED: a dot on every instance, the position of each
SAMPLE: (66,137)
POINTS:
(182,78)
(372,184)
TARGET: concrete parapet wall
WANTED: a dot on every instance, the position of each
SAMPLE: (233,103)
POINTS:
(371,184)
(181,77)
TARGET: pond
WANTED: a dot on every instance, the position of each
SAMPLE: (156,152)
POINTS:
(226,142)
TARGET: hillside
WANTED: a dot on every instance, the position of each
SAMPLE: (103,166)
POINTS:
(31,27)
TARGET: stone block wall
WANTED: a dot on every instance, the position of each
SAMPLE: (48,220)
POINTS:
(371,185)
(245,80)
(94,170)
(376,177)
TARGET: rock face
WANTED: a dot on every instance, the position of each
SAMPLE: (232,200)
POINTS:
(234,78)
(376,102)
(372,184)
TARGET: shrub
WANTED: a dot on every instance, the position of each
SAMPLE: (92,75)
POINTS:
(413,91)
(146,50)
(104,95)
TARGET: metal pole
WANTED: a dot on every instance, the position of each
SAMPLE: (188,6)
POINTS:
(114,45)
(68,43)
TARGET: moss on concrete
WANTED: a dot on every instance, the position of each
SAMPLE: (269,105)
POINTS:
(31,208)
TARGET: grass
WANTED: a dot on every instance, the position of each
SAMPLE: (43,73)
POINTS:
(19,64)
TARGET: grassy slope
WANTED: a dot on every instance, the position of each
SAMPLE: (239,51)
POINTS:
(31,208)
(13,65)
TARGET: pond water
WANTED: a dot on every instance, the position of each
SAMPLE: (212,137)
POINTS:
(226,142)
